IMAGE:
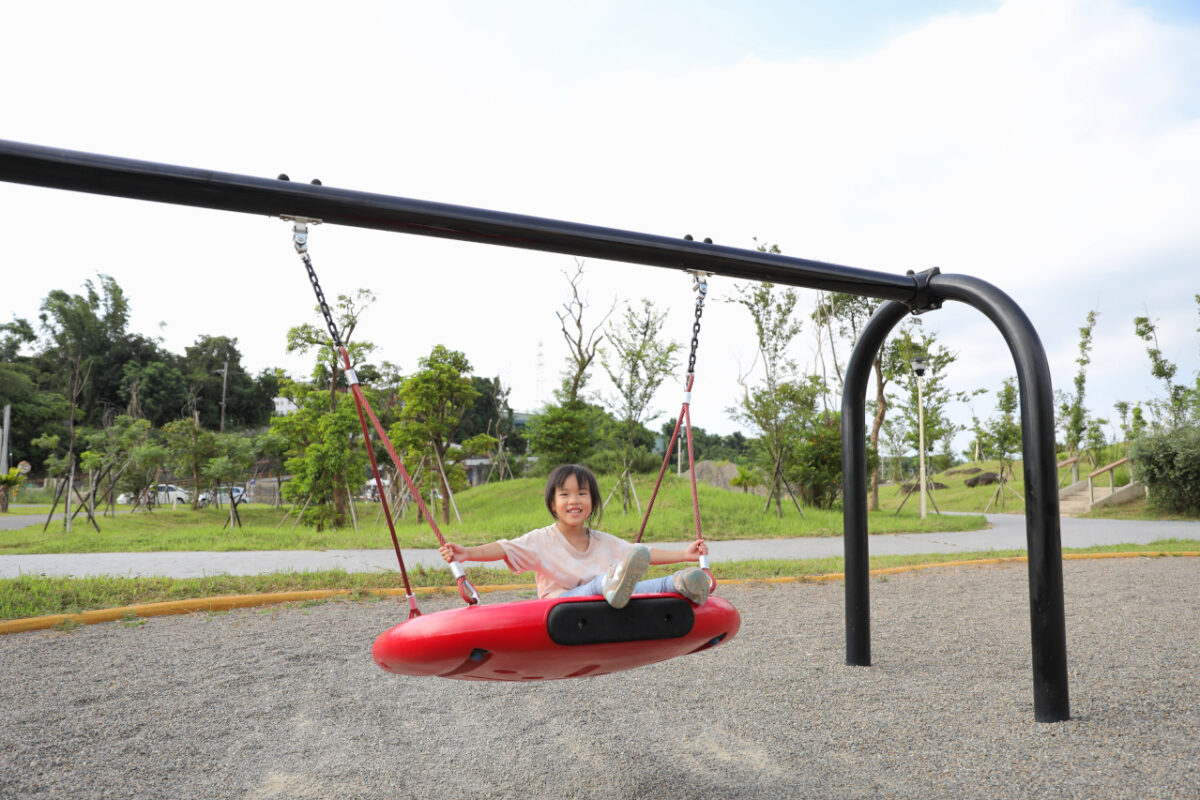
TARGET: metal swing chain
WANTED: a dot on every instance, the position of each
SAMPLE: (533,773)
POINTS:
(465,588)
(700,285)
(300,240)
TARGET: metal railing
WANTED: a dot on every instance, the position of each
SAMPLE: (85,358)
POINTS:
(1073,463)
(1112,478)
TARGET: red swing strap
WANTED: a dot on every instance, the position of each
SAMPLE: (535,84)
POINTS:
(465,589)
(700,286)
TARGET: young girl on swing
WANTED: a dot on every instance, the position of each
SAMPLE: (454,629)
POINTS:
(570,559)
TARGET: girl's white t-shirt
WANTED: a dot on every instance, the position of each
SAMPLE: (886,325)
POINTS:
(557,564)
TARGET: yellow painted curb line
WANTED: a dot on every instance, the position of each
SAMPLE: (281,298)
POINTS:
(229,602)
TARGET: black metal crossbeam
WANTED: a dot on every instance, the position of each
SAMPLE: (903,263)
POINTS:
(164,183)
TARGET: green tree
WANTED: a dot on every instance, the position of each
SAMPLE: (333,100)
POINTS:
(222,390)
(10,482)
(1172,409)
(433,400)
(157,391)
(637,365)
(321,457)
(817,468)
(893,436)
(88,337)
(583,343)
(747,478)
(1073,415)
(566,433)
(146,463)
(235,455)
(844,316)
(782,404)
(490,413)
(271,447)
(109,451)
(1004,430)
(734,447)
(936,398)
(38,404)
(329,371)
(189,448)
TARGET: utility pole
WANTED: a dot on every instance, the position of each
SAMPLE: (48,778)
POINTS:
(4,440)
(224,386)
(919,365)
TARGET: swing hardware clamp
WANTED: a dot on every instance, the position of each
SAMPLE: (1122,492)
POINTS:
(300,231)
(924,299)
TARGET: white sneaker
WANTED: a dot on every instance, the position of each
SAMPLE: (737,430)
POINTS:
(693,583)
(619,582)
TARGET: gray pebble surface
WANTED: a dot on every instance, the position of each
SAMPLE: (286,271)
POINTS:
(285,702)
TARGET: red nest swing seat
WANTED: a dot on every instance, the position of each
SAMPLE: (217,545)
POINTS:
(571,637)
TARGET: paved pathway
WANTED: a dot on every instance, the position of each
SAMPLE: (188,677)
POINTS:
(1007,533)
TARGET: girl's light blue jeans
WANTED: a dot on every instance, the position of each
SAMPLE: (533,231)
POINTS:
(648,586)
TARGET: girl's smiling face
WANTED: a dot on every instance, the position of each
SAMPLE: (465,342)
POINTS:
(572,503)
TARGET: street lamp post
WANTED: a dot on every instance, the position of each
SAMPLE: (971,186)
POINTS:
(920,364)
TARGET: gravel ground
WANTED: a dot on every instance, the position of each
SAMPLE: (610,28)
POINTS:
(286,703)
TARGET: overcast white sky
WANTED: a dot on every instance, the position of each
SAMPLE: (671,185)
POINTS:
(1051,147)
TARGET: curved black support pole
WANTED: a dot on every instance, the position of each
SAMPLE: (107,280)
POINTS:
(1042,528)
(1043,535)
(854,480)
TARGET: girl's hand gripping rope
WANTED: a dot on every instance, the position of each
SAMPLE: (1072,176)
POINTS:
(453,554)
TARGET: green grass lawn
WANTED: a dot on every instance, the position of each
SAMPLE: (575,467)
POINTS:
(957,496)
(1136,509)
(489,512)
(35,595)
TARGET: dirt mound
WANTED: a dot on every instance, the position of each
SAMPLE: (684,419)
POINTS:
(716,473)
(983,479)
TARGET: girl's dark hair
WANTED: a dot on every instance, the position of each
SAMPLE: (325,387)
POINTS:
(585,479)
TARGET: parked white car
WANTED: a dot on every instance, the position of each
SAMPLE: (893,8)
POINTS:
(223,494)
(161,494)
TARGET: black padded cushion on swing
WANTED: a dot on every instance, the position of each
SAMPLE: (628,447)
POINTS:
(596,622)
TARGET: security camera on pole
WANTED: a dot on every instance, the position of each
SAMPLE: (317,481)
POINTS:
(920,363)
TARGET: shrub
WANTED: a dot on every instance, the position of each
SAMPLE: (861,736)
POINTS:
(1169,464)
(818,469)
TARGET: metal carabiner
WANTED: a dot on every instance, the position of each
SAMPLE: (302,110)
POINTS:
(700,284)
(300,236)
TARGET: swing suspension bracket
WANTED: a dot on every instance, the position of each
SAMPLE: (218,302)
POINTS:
(300,231)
